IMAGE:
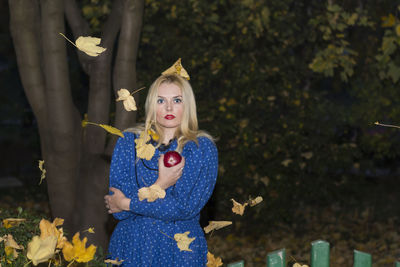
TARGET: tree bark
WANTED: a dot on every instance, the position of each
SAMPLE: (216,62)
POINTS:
(76,160)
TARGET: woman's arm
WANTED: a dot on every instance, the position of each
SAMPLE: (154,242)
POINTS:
(192,190)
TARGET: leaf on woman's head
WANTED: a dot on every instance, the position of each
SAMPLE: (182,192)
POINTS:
(114,262)
(89,45)
(255,201)
(212,261)
(151,193)
(127,99)
(41,250)
(238,208)
(183,241)
(215,225)
(178,69)
(43,175)
(11,222)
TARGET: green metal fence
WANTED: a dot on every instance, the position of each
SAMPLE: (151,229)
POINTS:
(319,257)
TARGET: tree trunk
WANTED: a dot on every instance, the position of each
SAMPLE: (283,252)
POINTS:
(76,159)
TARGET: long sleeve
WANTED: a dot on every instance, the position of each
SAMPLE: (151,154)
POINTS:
(120,170)
(192,190)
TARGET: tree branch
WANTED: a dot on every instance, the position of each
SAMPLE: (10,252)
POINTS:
(125,64)
(79,27)
(100,83)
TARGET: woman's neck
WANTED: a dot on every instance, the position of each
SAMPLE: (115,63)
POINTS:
(168,135)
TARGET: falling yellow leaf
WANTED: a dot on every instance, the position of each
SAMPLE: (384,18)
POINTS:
(238,208)
(41,250)
(114,262)
(216,225)
(212,261)
(41,162)
(255,201)
(108,128)
(144,150)
(90,230)
(151,193)
(177,68)
(87,44)
(11,222)
(77,251)
(153,134)
(127,99)
(183,241)
(85,120)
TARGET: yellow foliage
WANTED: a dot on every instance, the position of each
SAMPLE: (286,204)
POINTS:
(50,229)
(114,262)
(144,150)
(41,162)
(41,250)
(215,225)
(11,222)
(178,69)
(77,251)
(212,261)
(388,21)
(238,208)
(127,99)
(151,193)
(183,241)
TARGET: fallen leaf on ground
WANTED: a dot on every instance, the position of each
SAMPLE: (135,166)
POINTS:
(183,241)
(77,251)
(151,193)
(238,208)
(255,201)
(50,229)
(177,68)
(11,222)
(41,250)
(215,225)
(212,261)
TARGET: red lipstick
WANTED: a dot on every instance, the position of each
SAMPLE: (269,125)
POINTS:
(169,117)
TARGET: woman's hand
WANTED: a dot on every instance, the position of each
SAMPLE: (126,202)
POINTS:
(168,176)
(116,202)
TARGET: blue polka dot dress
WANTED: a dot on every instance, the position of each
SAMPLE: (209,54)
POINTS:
(144,234)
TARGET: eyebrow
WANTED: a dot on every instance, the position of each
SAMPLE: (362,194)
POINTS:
(172,97)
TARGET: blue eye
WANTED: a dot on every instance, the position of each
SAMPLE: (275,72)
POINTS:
(160,101)
(177,100)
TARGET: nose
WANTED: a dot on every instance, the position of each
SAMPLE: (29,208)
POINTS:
(168,106)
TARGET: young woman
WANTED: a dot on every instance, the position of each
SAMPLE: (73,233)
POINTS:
(144,235)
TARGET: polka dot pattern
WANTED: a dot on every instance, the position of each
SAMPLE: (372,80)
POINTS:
(144,234)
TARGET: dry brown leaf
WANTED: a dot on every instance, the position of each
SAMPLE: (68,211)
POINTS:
(238,208)
(41,250)
(11,222)
(257,200)
(216,225)
(177,68)
(127,99)
(183,241)
(151,193)
(114,262)
(212,261)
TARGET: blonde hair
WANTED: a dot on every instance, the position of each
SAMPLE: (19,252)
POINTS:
(188,130)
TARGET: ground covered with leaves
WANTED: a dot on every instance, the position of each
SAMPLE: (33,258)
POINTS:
(365,219)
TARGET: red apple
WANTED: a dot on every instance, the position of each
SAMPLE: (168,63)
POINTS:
(171,158)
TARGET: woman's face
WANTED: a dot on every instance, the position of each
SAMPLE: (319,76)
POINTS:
(169,109)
